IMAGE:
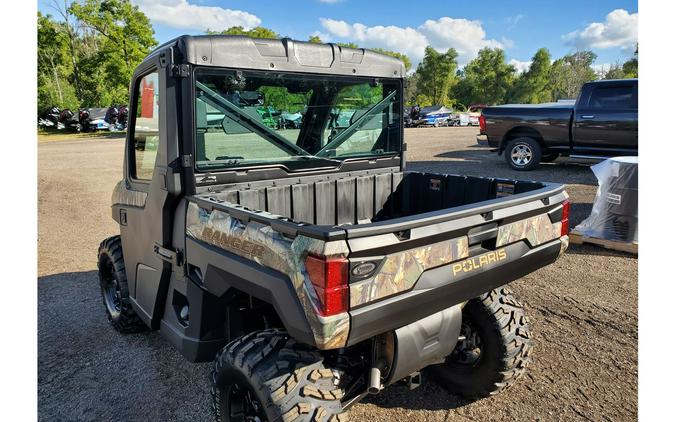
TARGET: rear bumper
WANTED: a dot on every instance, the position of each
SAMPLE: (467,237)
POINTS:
(443,287)
(484,140)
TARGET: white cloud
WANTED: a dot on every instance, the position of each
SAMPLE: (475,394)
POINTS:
(322,35)
(406,40)
(465,36)
(507,42)
(185,15)
(512,21)
(521,67)
(620,29)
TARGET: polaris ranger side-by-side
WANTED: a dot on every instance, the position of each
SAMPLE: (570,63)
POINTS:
(303,258)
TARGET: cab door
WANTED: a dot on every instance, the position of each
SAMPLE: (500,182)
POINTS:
(145,224)
(605,120)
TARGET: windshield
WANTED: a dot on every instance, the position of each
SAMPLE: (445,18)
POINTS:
(300,121)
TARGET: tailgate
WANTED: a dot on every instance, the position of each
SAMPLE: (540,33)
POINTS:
(406,270)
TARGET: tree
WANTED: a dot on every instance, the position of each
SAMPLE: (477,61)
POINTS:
(347,44)
(630,67)
(615,72)
(126,37)
(487,79)
(314,39)
(532,87)
(410,93)
(53,69)
(257,32)
(570,72)
(69,30)
(436,75)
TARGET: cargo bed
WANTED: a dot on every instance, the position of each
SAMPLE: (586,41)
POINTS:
(360,204)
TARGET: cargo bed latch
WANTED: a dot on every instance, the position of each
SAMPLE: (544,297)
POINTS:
(174,257)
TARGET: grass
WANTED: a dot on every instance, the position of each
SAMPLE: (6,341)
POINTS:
(49,136)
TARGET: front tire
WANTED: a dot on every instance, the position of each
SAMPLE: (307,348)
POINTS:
(114,288)
(523,153)
(496,349)
(269,376)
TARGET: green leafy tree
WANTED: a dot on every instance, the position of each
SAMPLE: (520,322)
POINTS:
(630,68)
(257,32)
(532,87)
(347,44)
(410,93)
(615,72)
(126,37)
(486,79)
(315,39)
(436,75)
(570,72)
(54,66)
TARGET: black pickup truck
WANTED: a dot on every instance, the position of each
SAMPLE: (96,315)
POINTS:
(603,122)
(305,261)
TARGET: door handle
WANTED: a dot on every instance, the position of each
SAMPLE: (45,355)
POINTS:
(588,116)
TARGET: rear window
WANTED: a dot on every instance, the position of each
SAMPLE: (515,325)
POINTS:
(612,97)
(246,118)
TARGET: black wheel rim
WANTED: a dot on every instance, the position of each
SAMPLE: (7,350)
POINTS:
(110,287)
(242,405)
(468,350)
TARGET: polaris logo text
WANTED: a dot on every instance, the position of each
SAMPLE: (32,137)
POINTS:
(476,262)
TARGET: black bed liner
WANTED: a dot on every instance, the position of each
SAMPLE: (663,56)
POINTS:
(360,204)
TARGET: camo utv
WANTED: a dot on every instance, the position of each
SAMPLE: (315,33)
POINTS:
(305,260)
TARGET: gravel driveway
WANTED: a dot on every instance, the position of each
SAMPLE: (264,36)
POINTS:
(583,309)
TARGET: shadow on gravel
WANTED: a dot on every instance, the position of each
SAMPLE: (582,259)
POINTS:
(428,396)
(88,371)
(593,250)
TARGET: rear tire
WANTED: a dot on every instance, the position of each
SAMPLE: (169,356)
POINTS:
(269,376)
(496,351)
(523,153)
(114,288)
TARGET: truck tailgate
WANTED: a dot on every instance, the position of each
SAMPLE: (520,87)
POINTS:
(438,260)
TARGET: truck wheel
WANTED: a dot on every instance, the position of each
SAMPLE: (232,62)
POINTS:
(268,376)
(114,289)
(523,153)
(495,349)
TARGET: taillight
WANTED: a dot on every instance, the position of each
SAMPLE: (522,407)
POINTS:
(330,278)
(481,122)
(565,226)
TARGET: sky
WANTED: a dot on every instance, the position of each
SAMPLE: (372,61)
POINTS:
(609,28)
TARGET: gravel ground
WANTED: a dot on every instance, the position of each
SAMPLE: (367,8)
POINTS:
(583,309)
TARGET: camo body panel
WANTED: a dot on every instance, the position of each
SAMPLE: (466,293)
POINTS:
(123,196)
(274,250)
(536,230)
(401,271)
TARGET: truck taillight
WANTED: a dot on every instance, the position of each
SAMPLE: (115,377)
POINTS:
(565,226)
(330,278)
(481,122)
